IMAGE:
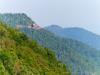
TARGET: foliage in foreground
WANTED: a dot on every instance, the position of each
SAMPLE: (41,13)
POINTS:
(20,55)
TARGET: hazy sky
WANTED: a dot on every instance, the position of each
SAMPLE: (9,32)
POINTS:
(67,13)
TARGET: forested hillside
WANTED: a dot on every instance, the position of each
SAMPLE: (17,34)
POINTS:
(76,33)
(78,57)
(20,55)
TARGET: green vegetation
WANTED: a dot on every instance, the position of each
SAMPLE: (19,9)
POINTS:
(80,58)
(19,55)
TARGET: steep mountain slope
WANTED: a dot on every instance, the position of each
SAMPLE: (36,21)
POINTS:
(22,56)
(77,34)
(79,57)
(16,19)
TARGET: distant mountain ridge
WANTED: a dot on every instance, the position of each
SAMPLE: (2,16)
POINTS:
(76,33)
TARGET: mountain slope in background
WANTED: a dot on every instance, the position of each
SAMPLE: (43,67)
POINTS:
(16,19)
(19,55)
(79,34)
(79,57)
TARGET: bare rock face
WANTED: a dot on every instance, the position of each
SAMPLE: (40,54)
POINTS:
(33,26)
